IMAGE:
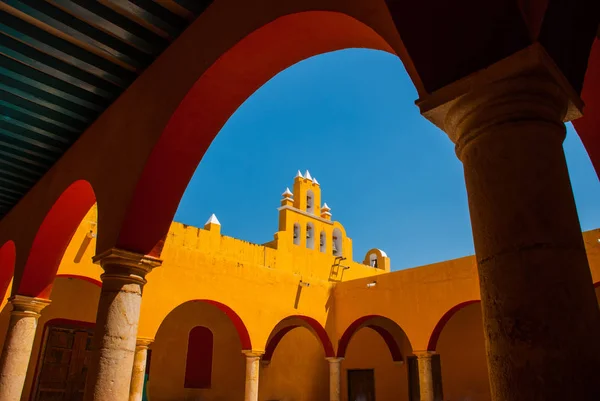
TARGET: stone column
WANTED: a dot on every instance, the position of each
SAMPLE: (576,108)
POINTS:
(540,313)
(117,319)
(335,377)
(138,374)
(426,389)
(252,371)
(18,344)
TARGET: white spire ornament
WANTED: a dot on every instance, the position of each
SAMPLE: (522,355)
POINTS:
(307,175)
(287,194)
(213,220)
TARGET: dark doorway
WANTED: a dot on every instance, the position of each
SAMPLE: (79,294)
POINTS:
(63,364)
(361,385)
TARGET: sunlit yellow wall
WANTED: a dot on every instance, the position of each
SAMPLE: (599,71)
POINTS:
(298,370)
(367,350)
(462,350)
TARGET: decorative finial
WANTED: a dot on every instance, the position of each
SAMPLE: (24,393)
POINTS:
(315,181)
(213,220)
(325,208)
(287,194)
(307,175)
(299,175)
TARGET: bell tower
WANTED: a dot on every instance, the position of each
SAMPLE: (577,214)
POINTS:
(307,194)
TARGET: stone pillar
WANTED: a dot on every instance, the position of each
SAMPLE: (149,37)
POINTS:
(335,377)
(138,374)
(17,345)
(252,371)
(540,313)
(117,319)
(426,388)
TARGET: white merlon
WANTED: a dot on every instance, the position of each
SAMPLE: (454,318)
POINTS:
(287,193)
(213,220)
(325,207)
(307,175)
(315,181)
(299,175)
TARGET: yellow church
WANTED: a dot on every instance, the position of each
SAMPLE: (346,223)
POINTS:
(294,319)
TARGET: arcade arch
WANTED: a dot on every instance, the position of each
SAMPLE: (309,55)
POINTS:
(459,340)
(376,343)
(230,337)
(294,362)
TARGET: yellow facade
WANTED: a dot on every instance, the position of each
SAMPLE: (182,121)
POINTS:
(298,279)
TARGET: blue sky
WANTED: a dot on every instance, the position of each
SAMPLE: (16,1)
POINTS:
(390,177)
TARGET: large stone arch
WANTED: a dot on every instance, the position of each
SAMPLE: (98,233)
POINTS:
(292,322)
(387,329)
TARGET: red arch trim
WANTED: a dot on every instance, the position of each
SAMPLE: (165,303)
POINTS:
(84,278)
(52,239)
(214,98)
(305,321)
(237,321)
(366,321)
(435,335)
(390,342)
(8,256)
(588,126)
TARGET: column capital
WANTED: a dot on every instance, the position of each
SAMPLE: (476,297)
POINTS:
(250,354)
(334,359)
(425,354)
(28,306)
(524,84)
(143,342)
(126,265)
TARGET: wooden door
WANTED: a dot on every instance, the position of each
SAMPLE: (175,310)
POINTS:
(64,362)
(361,385)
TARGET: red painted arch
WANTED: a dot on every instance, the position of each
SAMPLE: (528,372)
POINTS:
(367,321)
(588,126)
(52,238)
(84,278)
(237,321)
(214,97)
(435,335)
(8,256)
(292,322)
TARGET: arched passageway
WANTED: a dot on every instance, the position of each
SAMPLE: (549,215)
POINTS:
(294,364)
(51,240)
(197,353)
(375,351)
(214,97)
(459,340)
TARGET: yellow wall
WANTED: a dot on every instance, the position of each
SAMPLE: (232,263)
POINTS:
(367,350)
(462,351)
(298,370)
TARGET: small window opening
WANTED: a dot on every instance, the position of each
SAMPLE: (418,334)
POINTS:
(373,260)
(309,202)
(323,242)
(337,242)
(310,238)
(296,234)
